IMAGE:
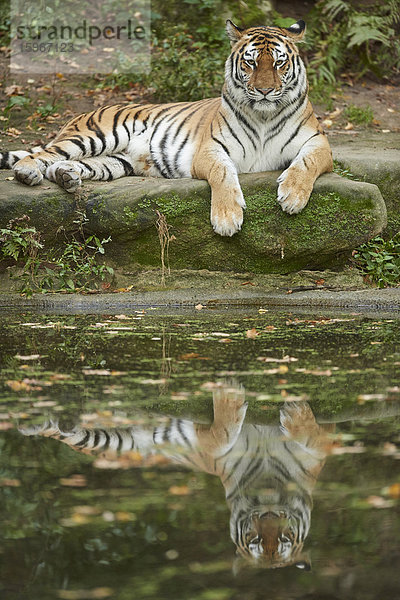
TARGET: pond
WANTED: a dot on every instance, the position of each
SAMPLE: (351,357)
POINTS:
(200,455)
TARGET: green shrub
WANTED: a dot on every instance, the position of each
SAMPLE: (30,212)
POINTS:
(379,260)
(359,115)
(344,34)
(73,267)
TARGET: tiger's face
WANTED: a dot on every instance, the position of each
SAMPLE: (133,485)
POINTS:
(263,64)
(271,535)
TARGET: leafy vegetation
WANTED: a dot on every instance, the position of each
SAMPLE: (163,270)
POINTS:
(379,260)
(359,115)
(188,58)
(72,267)
(363,38)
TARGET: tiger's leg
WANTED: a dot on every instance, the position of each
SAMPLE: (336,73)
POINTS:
(229,412)
(31,169)
(298,423)
(227,201)
(8,159)
(69,174)
(297,181)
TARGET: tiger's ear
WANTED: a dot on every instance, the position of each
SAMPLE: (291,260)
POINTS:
(296,31)
(234,32)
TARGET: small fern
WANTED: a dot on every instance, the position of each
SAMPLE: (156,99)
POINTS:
(363,39)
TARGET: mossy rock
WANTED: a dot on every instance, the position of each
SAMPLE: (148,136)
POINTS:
(341,215)
(375,158)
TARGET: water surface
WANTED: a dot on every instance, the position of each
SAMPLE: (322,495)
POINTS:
(113,483)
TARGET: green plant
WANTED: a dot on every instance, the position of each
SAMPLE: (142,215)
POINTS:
(72,267)
(16,101)
(379,260)
(184,69)
(343,34)
(359,115)
(19,240)
(46,110)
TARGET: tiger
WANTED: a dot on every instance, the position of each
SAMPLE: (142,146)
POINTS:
(262,121)
(268,471)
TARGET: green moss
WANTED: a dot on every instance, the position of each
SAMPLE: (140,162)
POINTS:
(130,215)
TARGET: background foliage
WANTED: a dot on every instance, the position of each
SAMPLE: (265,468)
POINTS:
(189,45)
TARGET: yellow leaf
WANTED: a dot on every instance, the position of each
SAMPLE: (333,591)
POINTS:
(394,490)
(252,333)
(179,490)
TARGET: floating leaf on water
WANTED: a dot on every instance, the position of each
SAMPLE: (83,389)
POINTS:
(18,386)
(348,450)
(76,480)
(153,381)
(5,482)
(179,490)
(285,359)
(394,490)
(252,333)
(379,502)
(99,593)
(361,398)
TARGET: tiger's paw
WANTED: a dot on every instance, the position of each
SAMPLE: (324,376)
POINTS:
(293,191)
(65,175)
(27,172)
(229,403)
(227,217)
(297,420)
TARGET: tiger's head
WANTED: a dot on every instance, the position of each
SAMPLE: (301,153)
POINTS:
(264,69)
(272,535)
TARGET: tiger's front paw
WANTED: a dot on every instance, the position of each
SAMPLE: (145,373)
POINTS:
(65,175)
(227,216)
(27,172)
(294,190)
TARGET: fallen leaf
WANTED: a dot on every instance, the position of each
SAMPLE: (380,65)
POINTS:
(189,356)
(348,450)
(14,90)
(13,132)
(5,482)
(179,490)
(76,480)
(96,371)
(99,593)
(285,359)
(361,398)
(394,490)
(379,502)
(18,386)
(252,333)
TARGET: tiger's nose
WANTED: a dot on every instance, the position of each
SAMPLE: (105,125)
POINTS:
(265,91)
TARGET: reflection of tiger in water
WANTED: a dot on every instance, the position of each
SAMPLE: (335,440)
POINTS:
(263,121)
(268,472)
